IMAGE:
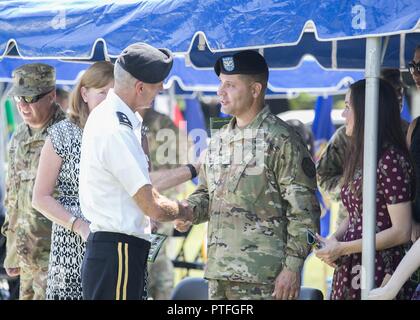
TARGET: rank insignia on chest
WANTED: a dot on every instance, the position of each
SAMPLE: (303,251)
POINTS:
(124,119)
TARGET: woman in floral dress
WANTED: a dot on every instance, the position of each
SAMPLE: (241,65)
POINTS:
(395,190)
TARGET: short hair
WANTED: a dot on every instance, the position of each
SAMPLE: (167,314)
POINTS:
(98,75)
(260,78)
(122,77)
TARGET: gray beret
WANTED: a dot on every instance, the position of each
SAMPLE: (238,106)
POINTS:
(243,62)
(146,63)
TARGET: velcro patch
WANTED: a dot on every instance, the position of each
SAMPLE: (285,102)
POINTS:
(308,167)
(122,117)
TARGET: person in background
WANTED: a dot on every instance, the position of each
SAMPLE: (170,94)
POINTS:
(414,67)
(62,98)
(28,232)
(393,76)
(409,264)
(13,282)
(413,142)
(304,132)
(161,271)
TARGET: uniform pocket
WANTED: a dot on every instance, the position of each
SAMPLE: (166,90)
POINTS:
(248,180)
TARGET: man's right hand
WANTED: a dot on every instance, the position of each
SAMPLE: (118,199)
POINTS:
(13,272)
(182,225)
(186,215)
(185,212)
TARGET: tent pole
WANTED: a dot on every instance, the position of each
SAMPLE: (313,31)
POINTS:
(4,137)
(372,72)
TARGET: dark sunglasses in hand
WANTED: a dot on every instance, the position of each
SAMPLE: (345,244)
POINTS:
(412,66)
(31,99)
(312,240)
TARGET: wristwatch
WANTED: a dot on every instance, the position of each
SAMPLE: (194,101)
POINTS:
(192,170)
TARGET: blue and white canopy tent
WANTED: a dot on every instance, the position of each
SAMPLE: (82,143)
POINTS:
(308,77)
(67,72)
(186,81)
(97,29)
(334,54)
(347,33)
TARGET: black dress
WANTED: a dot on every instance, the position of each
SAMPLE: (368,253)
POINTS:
(415,154)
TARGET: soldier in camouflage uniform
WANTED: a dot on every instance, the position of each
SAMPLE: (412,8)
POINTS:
(258,205)
(161,271)
(330,169)
(28,232)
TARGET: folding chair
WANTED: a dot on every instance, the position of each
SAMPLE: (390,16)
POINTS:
(191,288)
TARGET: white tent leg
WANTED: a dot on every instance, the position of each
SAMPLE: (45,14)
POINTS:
(373,62)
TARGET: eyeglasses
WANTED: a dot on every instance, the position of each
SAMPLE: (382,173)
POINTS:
(30,99)
(412,66)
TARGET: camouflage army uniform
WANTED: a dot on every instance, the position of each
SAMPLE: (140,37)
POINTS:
(258,214)
(161,272)
(28,232)
(330,169)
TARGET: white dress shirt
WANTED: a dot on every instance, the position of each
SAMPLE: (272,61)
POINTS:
(113,167)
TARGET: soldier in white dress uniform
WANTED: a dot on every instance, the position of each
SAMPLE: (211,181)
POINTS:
(116,194)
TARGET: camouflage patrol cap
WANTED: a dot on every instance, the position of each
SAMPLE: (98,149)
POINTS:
(33,79)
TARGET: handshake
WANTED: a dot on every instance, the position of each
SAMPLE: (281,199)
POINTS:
(185,217)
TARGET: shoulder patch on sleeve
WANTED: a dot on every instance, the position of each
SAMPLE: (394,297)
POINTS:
(122,117)
(308,167)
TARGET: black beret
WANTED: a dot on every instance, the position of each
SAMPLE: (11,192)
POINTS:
(244,62)
(146,63)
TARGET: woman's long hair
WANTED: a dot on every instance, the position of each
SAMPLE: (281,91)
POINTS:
(389,125)
(98,75)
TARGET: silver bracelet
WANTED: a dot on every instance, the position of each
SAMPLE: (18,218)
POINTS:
(71,222)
